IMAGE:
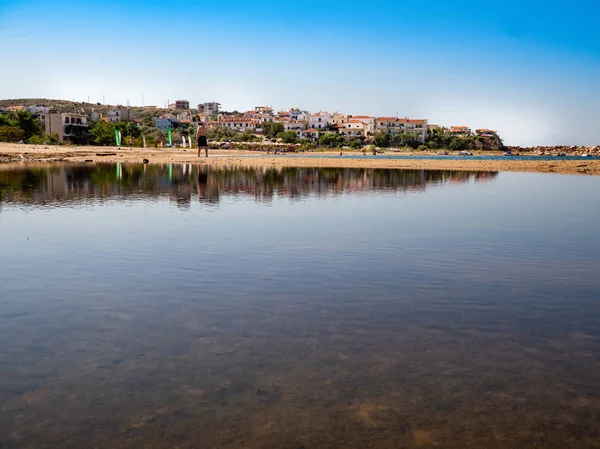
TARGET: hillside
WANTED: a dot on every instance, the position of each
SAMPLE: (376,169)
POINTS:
(79,107)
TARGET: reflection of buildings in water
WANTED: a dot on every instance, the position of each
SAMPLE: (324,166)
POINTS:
(63,183)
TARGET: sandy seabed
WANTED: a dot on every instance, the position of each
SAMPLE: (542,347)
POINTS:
(10,153)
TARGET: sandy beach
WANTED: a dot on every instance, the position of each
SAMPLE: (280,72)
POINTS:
(19,153)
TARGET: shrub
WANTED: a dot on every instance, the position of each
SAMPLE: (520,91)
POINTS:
(10,134)
(422,148)
(307,145)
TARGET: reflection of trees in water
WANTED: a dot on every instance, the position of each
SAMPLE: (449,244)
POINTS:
(179,183)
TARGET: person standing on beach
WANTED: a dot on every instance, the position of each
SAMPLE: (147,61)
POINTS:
(201,139)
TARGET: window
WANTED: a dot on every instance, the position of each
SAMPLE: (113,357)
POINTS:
(67,120)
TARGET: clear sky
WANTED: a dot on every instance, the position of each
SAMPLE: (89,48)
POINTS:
(530,69)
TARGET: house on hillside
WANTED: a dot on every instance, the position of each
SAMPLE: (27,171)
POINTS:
(35,110)
(182,104)
(210,108)
(484,132)
(417,127)
(298,115)
(120,115)
(311,133)
(319,121)
(389,125)
(463,131)
(164,122)
(368,120)
(353,128)
(298,126)
(239,123)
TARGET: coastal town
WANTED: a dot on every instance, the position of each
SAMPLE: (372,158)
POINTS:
(175,125)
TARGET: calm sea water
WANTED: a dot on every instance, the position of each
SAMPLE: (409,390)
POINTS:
(195,307)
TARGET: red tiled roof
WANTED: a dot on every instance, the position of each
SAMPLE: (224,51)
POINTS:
(236,119)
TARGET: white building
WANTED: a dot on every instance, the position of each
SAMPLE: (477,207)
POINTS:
(299,127)
(39,109)
(337,119)
(118,115)
(239,123)
(319,121)
(416,126)
(353,128)
(390,125)
(310,133)
(298,115)
(367,120)
(184,116)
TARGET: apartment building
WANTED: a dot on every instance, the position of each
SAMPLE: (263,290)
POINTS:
(353,128)
(71,128)
(390,125)
(239,123)
(210,108)
(298,115)
(118,115)
(368,120)
(182,104)
(319,121)
(415,126)
(337,119)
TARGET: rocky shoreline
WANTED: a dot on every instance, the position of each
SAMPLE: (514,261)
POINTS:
(557,150)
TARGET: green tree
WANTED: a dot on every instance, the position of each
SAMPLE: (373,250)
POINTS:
(271,130)
(220,133)
(29,123)
(102,133)
(148,121)
(458,144)
(329,139)
(246,136)
(288,136)
(382,139)
(356,143)
(8,120)
(10,133)
(129,129)
(307,145)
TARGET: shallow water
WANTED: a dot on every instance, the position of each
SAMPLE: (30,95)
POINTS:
(436,157)
(186,306)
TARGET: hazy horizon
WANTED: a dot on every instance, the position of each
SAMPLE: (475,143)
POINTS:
(530,73)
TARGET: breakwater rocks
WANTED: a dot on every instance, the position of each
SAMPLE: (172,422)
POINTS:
(556,150)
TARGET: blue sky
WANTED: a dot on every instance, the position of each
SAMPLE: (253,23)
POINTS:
(529,69)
